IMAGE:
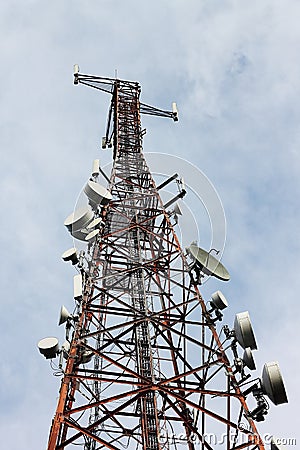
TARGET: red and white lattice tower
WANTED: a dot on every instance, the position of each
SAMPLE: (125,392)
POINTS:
(143,365)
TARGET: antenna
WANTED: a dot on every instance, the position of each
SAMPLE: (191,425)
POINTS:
(272,383)
(71,255)
(248,359)
(76,73)
(207,263)
(97,194)
(92,235)
(48,347)
(96,223)
(64,315)
(77,284)
(96,168)
(78,220)
(243,331)
(177,209)
(218,300)
(175,112)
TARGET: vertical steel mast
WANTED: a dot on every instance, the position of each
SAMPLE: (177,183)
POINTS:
(145,366)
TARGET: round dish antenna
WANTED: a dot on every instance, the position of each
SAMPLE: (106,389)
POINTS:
(70,255)
(91,237)
(97,194)
(94,224)
(248,359)
(48,347)
(218,300)
(243,331)
(272,383)
(80,234)
(208,263)
(78,219)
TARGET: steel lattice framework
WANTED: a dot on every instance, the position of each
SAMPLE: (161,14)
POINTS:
(146,368)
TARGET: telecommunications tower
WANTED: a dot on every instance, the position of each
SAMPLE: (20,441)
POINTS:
(145,364)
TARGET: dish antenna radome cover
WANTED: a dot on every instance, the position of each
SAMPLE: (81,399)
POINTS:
(243,331)
(48,347)
(272,383)
(92,236)
(218,300)
(97,194)
(96,223)
(80,234)
(248,359)
(78,219)
(70,255)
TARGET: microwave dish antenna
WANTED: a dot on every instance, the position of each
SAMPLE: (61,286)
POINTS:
(243,331)
(208,264)
(272,383)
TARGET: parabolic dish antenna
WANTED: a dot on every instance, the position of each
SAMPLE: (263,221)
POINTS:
(94,224)
(272,383)
(218,300)
(48,347)
(92,236)
(78,219)
(70,255)
(97,194)
(243,331)
(208,263)
(248,359)
(80,234)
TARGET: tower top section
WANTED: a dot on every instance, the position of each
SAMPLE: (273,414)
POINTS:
(125,87)
(124,112)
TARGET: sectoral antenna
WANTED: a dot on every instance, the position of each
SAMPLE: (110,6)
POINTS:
(96,170)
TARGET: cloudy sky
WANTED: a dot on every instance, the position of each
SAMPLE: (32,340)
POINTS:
(233,68)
